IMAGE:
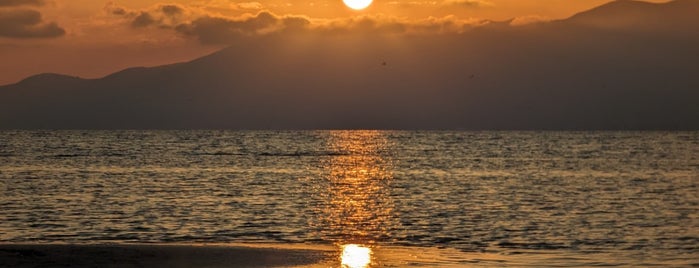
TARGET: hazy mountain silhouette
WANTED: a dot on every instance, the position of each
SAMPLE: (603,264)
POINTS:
(623,65)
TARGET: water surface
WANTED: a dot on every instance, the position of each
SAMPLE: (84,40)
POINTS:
(518,198)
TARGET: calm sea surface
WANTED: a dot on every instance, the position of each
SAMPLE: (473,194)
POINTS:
(562,198)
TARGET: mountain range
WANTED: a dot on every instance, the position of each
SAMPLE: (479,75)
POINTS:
(625,65)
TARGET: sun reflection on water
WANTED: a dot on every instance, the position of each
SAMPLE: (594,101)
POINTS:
(355,256)
(357,205)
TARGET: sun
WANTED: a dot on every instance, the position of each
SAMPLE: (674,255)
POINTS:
(357,4)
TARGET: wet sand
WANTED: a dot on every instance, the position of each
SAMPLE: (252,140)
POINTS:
(156,255)
(302,256)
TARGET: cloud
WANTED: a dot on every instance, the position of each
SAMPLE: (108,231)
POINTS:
(411,3)
(444,3)
(162,15)
(26,23)
(526,20)
(10,3)
(220,30)
(396,25)
(223,30)
(214,28)
(172,10)
(467,3)
(143,19)
(227,6)
(250,5)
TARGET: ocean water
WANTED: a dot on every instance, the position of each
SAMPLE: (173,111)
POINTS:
(539,198)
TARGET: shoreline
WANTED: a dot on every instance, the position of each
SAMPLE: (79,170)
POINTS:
(215,255)
(160,255)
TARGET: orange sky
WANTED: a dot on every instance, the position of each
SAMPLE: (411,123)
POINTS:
(490,9)
(92,38)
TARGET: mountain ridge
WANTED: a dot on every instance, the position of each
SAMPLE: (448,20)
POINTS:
(613,4)
(631,13)
(611,7)
(555,76)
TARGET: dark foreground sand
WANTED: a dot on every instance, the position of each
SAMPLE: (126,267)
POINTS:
(130,255)
(286,255)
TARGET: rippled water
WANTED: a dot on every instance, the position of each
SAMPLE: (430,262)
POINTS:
(630,197)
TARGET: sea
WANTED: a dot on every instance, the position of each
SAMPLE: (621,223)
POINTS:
(489,198)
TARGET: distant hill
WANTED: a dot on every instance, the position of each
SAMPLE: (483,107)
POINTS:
(676,16)
(623,65)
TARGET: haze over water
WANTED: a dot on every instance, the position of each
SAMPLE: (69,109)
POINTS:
(566,198)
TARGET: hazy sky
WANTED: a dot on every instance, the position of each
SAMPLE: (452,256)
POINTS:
(92,38)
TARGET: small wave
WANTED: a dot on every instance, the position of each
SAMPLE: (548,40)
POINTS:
(445,240)
(540,245)
(215,154)
(271,154)
(689,238)
(299,154)
(111,154)
(69,155)
(635,247)
(140,229)
(597,243)
(47,225)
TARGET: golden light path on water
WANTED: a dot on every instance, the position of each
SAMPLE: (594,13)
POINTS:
(357,210)
(358,206)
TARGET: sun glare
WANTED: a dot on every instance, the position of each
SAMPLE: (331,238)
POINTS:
(355,256)
(357,4)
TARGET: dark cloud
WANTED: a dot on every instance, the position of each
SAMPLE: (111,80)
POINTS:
(211,30)
(162,16)
(144,19)
(119,11)
(218,30)
(365,24)
(296,23)
(222,30)
(10,3)
(172,10)
(25,23)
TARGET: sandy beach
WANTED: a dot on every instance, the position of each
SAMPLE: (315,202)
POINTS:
(156,255)
(238,255)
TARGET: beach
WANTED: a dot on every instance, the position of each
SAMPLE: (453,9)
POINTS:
(157,255)
(297,255)
(245,255)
